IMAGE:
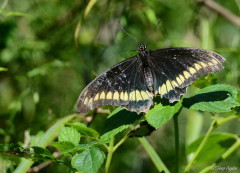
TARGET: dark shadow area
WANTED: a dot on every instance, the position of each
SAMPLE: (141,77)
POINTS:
(144,129)
(206,97)
(123,117)
(163,101)
(227,143)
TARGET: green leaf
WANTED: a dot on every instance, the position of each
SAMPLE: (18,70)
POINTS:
(40,153)
(15,13)
(63,145)
(85,146)
(69,134)
(216,145)
(46,68)
(3,69)
(205,81)
(45,140)
(89,161)
(33,153)
(119,120)
(161,114)
(215,98)
(84,131)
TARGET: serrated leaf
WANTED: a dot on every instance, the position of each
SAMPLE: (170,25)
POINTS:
(84,130)
(63,145)
(119,120)
(215,98)
(69,134)
(160,114)
(216,145)
(89,161)
(85,146)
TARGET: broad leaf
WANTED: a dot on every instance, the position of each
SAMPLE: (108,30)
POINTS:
(64,145)
(161,114)
(216,145)
(84,130)
(118,120)
(89,161)
(85,146)
(215,98)
(69,134)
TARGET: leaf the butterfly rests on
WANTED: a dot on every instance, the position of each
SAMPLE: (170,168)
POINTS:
(134,82)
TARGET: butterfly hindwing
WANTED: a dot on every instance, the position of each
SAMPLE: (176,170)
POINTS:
(133,83)
(121,85)
(176,68)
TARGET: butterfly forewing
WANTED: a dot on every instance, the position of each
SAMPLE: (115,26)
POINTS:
(122,85)
(133,83)
(176,68)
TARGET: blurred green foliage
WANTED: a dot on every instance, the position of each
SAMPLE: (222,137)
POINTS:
(50,50)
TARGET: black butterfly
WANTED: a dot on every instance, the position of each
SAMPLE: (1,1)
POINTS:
(134,82)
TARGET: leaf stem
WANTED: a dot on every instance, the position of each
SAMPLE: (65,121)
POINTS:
(176,132)
(220,122)
(153,155)
(120,142)
(231,149)
(200,147)
(109,155)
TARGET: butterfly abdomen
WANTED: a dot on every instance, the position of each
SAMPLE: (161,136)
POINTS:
(149,79)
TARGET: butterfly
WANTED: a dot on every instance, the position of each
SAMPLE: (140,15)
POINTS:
(134,82)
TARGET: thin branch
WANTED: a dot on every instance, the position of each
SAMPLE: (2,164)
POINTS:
(234,19)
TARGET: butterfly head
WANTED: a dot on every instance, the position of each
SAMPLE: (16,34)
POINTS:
(142,48)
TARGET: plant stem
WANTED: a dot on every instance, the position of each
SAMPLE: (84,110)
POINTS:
(109,156)
(120,142)
(153,155)
(176,132)
(224,156)
(200,147)
(231,149)
(220,122)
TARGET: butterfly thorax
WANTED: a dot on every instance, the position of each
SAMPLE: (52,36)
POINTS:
(148,75)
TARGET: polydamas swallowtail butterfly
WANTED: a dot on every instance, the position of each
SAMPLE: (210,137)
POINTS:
(134,82)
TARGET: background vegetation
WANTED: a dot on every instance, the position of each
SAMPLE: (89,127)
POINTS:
(50,50)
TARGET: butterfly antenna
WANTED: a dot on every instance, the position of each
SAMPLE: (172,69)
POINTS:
(152,32)
(129,34)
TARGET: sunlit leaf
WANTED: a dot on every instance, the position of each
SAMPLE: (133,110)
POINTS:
(89,7)
(84,130)
(69,134)
(64,145)
(215,98)
(89,161)
(160,114)
(85,146)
